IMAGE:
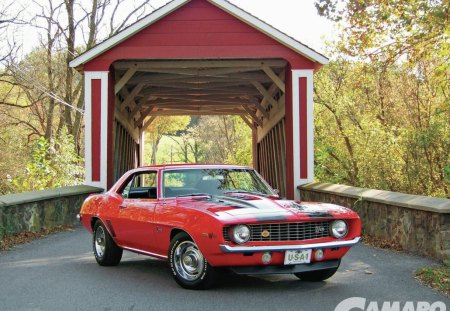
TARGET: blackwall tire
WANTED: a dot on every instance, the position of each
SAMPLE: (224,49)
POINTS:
(106,252)
(188,266)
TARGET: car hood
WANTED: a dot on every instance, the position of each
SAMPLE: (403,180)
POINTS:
(259,208)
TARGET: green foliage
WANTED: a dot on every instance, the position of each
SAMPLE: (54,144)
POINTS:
(223,139)
(160,127)
(51,165)
(387,30)
(383,119)
(215,139)
(382,127)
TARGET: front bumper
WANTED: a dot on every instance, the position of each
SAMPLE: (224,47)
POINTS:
(263,270)
(282,248)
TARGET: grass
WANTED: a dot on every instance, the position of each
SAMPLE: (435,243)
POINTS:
(10,241)
(437,277)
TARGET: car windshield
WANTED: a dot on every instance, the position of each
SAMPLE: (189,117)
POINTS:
(213,181)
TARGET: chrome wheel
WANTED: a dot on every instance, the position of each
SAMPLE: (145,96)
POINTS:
(106,251)
(188,261)
(100,241)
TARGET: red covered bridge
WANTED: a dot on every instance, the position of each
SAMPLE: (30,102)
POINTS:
(200,57)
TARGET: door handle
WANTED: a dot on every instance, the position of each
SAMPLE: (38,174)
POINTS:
(122,206)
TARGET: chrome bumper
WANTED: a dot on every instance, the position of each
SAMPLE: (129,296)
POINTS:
(282,248)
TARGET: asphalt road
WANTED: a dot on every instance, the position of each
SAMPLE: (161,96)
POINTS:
(60,273)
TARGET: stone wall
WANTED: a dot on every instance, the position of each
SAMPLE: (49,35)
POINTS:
(32,211)
(418,224)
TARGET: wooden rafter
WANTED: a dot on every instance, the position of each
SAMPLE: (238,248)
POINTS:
(148,122)
(200,87)
(124,79)
(266,95)
(248,122)
(130,96)
(260,108)
(144,114)
(272,75)
(253,115)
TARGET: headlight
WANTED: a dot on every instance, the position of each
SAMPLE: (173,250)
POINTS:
(339,229)
(240,234)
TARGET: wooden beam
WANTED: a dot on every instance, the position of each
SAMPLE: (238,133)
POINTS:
(125,121)
(141,103)
(247,121)
(253,115)
(148,122)
(272,75)
(198,113)
(125,78)
(213,72)
(161,91)
(273,89)
(276,115)
(260,108)
(144,114)
(266,95)
(130,97)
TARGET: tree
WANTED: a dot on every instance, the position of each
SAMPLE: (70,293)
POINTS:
(389,30)
(66,28)
(160,127)
(382,128)
(223,139)
(40,95)
(389,104)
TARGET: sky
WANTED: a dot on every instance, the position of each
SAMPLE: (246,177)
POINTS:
(296,18)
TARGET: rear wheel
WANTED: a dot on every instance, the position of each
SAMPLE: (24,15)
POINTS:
(317,276)
(189,268)
(106,252)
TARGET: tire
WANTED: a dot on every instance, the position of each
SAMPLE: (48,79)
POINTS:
(189,268)
(317,276)
(106,252)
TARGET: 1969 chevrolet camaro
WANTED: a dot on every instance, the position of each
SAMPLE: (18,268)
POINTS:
(202,217)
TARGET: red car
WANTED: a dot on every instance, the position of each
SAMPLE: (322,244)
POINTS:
(201,217)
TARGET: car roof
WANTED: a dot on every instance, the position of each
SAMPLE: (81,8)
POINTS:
(189,166)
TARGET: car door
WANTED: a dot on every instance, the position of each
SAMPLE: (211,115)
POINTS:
(135,221)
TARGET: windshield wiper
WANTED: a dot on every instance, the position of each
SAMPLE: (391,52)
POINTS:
(199,194)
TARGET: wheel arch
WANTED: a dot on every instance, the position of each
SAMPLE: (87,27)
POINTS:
(107,225)
(175,231)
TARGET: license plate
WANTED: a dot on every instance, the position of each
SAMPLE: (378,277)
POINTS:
(297,257)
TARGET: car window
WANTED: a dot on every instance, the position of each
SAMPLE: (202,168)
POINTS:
(142,185)
(182,182)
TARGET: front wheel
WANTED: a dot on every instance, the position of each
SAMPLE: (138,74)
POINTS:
(317,276)
(106,252)
(189,268)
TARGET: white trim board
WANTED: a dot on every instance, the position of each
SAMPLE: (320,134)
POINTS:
(103,77)
(296,75)
(221,4)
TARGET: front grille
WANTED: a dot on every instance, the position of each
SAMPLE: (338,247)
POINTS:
(298,231)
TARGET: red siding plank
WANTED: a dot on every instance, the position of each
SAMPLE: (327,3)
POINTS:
(188,13)
(198,39)
(303,129)
(95,125)
(213,26)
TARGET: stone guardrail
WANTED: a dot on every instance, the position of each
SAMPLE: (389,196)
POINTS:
(33,211)
(418,224)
